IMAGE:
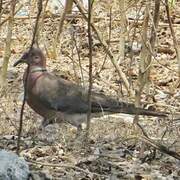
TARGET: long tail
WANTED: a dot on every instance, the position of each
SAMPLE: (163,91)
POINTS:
(127,108)
(141,111)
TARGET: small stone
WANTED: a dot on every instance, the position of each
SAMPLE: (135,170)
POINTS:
(13,166)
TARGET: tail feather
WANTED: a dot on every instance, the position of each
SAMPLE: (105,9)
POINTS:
(123,107)
(141,111)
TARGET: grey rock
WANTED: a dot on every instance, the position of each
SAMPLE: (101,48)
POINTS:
(13,167)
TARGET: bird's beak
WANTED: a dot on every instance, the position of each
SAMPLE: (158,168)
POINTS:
(20,61)
(23,59)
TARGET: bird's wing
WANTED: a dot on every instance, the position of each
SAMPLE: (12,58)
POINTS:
(62,95)
(59,94)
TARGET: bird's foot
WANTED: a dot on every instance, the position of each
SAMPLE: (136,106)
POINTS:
(80,142)
(46,122)
(48,133)
(76,143)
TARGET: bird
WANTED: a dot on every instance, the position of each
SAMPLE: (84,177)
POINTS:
(59,100)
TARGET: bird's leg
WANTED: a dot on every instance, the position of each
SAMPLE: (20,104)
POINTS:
(46,122)
(79,130)
(76,142)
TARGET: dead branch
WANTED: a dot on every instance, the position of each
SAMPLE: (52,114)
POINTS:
(7,50)
(176,46)
(90,69)
(160,147)
(105,46)
(26,78)
(69,166)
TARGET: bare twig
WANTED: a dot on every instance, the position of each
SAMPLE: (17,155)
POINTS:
(136,20)
(6,19)
(143,131)
(176,47)
(109,41)
(160,147)
(68,6)
(90,68)
(66,166)
(123,28)
(105,46)
(72,55)
(7,50)
(142,77)
(97,78)
(26,78)
(79,61)
(41,23)
(146,57)
(1,3)
(36,24)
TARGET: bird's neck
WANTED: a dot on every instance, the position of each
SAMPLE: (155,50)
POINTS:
(35,72)
(39,69)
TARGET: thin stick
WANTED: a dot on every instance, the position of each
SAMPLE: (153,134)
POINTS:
(105,46)
(66,166)
(176,47)
(160,147)
(79,61)
(109,41)
(90,68)
(7,48)
(26,79)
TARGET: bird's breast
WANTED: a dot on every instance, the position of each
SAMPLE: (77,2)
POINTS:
(37,106)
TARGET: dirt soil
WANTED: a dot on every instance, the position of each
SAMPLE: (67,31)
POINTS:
(116,149)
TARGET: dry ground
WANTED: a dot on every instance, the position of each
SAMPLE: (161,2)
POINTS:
(115,148)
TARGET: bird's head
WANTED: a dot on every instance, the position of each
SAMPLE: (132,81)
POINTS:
(33,57)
